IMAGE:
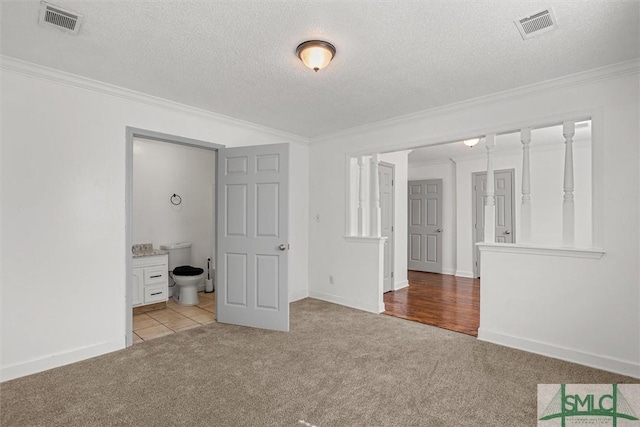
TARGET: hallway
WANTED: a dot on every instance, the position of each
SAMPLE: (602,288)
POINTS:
(440,300)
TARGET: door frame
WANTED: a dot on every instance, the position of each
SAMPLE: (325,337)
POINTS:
(131,133)
(392,241)
(474,209)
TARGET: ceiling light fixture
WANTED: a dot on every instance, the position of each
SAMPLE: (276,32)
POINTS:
(316,54)
(471,142)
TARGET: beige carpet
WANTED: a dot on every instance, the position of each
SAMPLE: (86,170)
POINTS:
(337,367)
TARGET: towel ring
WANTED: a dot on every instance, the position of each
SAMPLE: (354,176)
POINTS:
(175,199)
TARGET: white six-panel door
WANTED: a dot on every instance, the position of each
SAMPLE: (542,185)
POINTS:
(425,225)
(505,210)
(253,235)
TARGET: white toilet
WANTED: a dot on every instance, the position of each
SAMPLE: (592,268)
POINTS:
(186,278)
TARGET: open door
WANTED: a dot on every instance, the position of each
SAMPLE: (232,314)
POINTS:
(253,234)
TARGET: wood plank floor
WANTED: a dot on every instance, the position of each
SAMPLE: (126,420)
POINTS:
(440,300)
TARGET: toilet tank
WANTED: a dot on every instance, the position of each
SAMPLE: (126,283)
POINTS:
(179,254)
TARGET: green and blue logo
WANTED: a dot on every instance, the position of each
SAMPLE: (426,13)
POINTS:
(593,406)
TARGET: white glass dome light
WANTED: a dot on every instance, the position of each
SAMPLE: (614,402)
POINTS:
(471,142)
(316,54)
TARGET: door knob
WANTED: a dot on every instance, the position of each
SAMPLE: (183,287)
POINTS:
(282,247)
(438,230)
(507,232)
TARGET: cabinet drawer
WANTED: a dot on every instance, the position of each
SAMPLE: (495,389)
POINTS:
(155,294)
(155,275)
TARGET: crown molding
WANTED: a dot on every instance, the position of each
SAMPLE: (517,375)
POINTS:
(582,78)
(41,72)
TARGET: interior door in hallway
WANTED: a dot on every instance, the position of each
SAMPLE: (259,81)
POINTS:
(253,233)
(425,225)
(505,210)
(387,207)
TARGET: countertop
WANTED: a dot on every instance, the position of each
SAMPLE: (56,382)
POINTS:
(146,249)
(153,252)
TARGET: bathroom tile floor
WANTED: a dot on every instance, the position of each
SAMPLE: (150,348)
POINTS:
(174,318)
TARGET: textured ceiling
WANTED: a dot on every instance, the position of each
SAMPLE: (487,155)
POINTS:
(393,58)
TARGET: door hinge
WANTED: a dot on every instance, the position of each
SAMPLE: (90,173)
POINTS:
(392,181)
(392,228)
(392,274)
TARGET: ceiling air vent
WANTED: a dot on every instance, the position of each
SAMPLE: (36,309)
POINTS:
(536,24)
(62,19)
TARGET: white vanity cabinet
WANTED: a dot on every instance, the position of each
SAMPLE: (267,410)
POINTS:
(150,280)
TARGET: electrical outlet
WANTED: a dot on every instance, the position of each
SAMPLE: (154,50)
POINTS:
(331,281)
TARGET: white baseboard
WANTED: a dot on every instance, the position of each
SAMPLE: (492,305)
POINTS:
(400,285)
(468,274)
(22,369)
(558,352)
(298,294)
(371,307)
(449,271)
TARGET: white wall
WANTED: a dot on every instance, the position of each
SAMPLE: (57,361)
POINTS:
(161,169)
(400,219)
(547,174)
(63,229)
(446,172)
(563,307)
(611,92)
(299,222)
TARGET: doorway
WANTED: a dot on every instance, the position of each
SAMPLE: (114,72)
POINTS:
(505,210)
(173,208)
(133,134)
(251,231)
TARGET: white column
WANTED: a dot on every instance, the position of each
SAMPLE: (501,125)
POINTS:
(361,197)
(568,209)
(354,185)
(374,186)
(525,211)
(490,202)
